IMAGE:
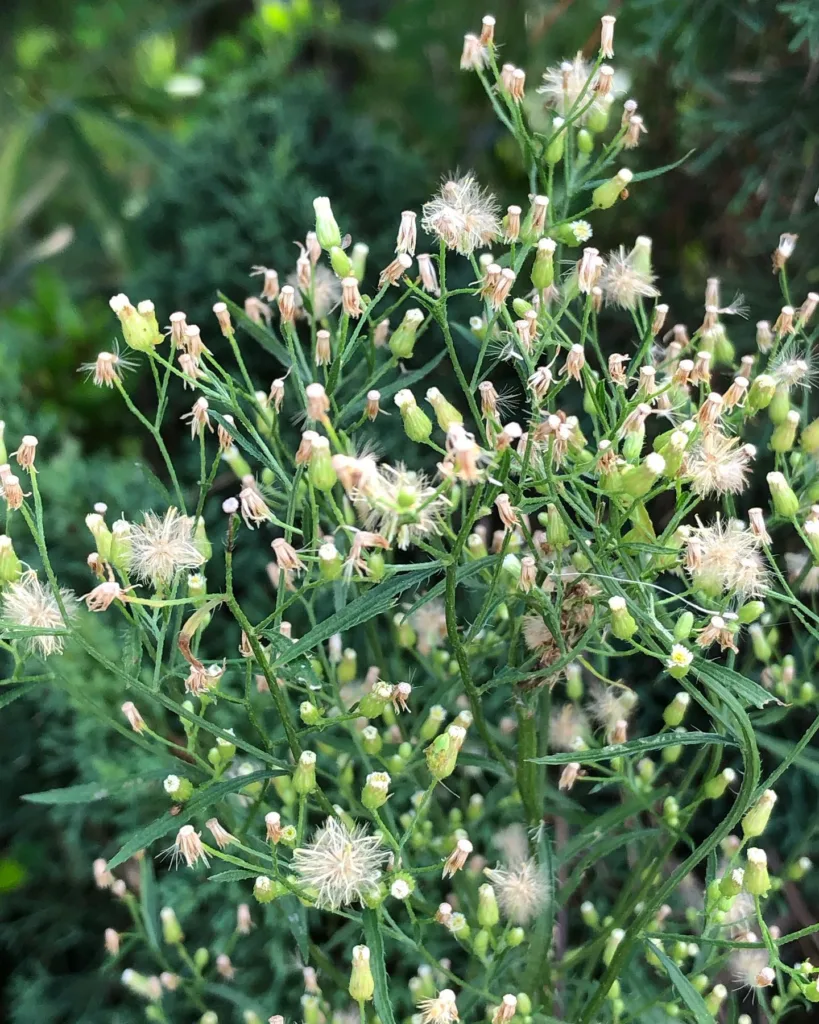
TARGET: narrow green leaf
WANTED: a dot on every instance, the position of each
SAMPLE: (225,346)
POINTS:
(372,934)
(234,875)
(148,900)
(640,746)
(264,337)
(148,834)
(13,692)
(463,573)
(92,792)
(376,601)
(689,995)
(751,694)
(644,175)
(296,914)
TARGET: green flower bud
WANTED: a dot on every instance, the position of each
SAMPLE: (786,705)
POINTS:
(446,413)
(607,194)
(372,704)
(331,564)
(441,756)
(178,789)
(200,539)
(309,713)
(265,890)
(750,612)
(480,944)
(807,693)
(433,722)
(101,534)
(359,260)
(200,958)
(403,338)
(674,452)
(371,740)
(784,434)
(376,790)
(140,330)
(515,937)
(760,644)
(756,820)
(797,871)
(715,998)
(521,307)
(780,404)
(785,502)
(623,625)
(613,941)
(589,914)
(585,142)
(320,470)
(348,666)
(574,681)
(407,637)
(731,884)
(637,481)
(640,256)
(715,788)
(597,118)
(543,269)
(341,263)
(760,394)
(417,425)
(757,881)
(557,533)
(488,913)
(304,775)
(671,755)
(683,626)
(554,151)
(10,565)
(171,930)
(362,983)
(208,1017)
(237,462)
(327,230)
(675,712)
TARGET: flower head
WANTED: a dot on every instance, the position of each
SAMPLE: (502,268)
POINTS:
(725,558)
(162,546)
(442,1009)
(624,281)
(463,215)
(30,604)
(567,728)
(719,465)
(794,367)
(401,505)
(522,890)
(342,865)
(188,847)
(563,84)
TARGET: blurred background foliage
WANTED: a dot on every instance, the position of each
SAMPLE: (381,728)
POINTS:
(164,147)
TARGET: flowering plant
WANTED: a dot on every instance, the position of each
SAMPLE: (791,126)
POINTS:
(565,847)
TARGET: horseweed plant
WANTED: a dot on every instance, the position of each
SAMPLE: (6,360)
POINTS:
(424,745)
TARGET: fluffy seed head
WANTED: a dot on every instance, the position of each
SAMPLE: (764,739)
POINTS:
(522,890)
(162,546)
(463,215)
(31,604)
(441,1009)
(719,465)
(342,865)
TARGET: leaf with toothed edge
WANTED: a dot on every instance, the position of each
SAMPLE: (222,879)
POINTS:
(372,934)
